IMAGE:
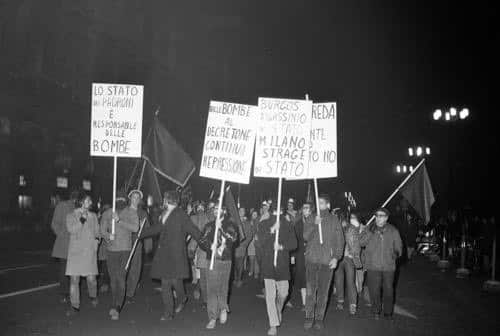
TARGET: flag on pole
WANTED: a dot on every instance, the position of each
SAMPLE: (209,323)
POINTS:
(231,207)
(166,156)
(418,192)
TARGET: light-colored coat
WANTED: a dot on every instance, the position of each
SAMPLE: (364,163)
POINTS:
(58,225)
(82,251)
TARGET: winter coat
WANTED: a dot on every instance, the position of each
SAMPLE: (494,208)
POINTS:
(245,237)
(200,220)
(383,247)
(128,223)
(227,238)
(58,225)
(352,245)
(333,240)
(286,238)
(170,260)
(83,243)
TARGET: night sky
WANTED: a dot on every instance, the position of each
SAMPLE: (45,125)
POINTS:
(387,64)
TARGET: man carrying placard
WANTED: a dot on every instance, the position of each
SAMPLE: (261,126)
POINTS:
(276,279)
(321,260)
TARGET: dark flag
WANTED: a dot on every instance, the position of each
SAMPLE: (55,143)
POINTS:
(231,207)
(151,185)
(418,192)
(166,156)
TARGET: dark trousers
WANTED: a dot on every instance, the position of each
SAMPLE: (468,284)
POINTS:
(116,267)
(103,273)
(239,263)
(167,285)
(318,279)
(62,277)
(381,282)
(345,281)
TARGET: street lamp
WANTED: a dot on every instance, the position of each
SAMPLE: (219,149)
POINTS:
(451,115)
(403,169)
(419,151)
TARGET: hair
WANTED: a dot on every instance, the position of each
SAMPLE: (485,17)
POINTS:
(325,197)
(357,215)
(172,197)
(80,198)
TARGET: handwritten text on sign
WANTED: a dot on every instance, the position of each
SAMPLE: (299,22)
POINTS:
(283,135)
(229,142)
(116,123)
(323,155)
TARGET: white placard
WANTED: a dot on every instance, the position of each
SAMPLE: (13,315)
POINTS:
(283,134)
(116,122)
(229,142)
(323,153)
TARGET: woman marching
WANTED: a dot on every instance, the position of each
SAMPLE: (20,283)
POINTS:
(83,228)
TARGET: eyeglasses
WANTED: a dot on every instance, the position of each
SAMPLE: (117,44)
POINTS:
(380,215)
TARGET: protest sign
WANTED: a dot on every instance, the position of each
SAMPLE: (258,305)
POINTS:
(283,138)
(116,120)
(323,152)
(229,142)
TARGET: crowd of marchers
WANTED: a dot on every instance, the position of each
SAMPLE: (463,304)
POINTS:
(315,249)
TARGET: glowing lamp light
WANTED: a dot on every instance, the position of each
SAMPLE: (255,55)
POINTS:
(453,112)
(419,151)
(410,151)
(398,169)
(447,116)
(464,113)
(404,168)
(437,114)
(427,151)
(411,168)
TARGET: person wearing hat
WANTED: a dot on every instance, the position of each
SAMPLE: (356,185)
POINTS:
(134,273)
(200,219)
(118,245)
(218,277)
(382,247)
(170,263)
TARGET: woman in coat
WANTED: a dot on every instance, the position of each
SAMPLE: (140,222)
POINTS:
(83,228)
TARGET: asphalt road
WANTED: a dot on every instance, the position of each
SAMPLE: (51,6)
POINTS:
(429,302)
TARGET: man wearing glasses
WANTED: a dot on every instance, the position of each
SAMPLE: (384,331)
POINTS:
(383,247)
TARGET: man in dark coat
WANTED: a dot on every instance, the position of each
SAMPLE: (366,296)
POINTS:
(382,247)
(276,278)
(321,260)
(170,263)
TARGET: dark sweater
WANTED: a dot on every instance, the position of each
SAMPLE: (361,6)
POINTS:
(383,247)
(286,238)
(229,231)
(333,240)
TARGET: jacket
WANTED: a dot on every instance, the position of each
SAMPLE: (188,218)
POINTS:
(226,241)
(170,260)
(128,223)
(333,240)
(352,247)
(286,238)
(383,247)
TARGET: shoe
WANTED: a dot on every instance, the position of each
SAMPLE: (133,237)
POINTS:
(352,309)
(130,300)
(318,325)
(115,316)
(223,316)
(308,324)
(166,317)
(104,288)
(388,317)
(181,306)
(273,331)
(113,311)
(94,302)
(196,294)
(72,311)
(340,306)
(376,316)
(211,324)
(289,304)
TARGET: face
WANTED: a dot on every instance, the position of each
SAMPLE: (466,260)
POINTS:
(87,203)
(265,209)
(290,206)
(354,220)
(255,215)
(210,206)
(135,200)
(324,204)
(380,218)
(306,210)
(242,212)
(200,208)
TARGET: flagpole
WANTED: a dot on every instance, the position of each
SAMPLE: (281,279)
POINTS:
(135,244)
(398,188)
(115,163)
(316,193)
(278,209)
(139,185)
(214,243)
